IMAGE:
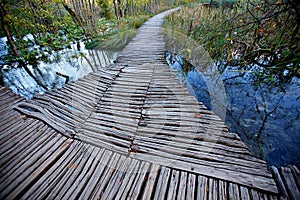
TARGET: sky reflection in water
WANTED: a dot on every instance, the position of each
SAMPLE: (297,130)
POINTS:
(267,118)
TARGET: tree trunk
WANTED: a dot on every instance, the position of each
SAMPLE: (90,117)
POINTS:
(116,10)
(74,16)
(13,46)
(7,32)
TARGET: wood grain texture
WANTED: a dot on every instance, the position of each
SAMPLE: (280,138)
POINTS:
(129,131)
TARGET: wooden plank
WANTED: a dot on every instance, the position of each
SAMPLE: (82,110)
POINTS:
(223,192)
(116,180)
(19,128)
(136,188)
(13,117)
(44,116)
(11,169)
(199,146)
(114,131)
(18,145)
(150,184)
(202,188)
(84,176)
(213,189)
(127,182)
(254,194)
(162,183)
(92,184)
(70,177)
(279,181)
(296,174)
(181,140)
(249,180)
(173,185)
(191,186)
(39,190)
(109,122)
(182,188)
(233,191)
(289,182)
(104,140)
(110,170)
(36,172)
(199,158)
(245,195)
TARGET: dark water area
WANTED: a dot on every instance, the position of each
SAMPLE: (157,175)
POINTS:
(266,117)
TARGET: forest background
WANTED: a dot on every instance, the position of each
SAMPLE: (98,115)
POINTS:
(234,32)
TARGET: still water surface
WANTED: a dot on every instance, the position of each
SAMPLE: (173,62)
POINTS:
(266,117)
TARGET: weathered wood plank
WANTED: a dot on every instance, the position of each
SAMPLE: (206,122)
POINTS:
(80,182)
(290,183)
(24,180)
(202,190)
(182,187)
(135,189)
(152,175)
(92,184)
(279,181)
(172,192)
(39,189)
(249,180)
(128,180)
(106,175)
(162,183)
(223,192)
(137,109)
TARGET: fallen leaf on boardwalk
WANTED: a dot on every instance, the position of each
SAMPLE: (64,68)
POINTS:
(113,128)
(197,115)
(130,150)
(260,30)
(134,119)
(70,165)
(76,166)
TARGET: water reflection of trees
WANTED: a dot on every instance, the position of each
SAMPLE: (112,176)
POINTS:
(267,117)
(53,75)
(263,118)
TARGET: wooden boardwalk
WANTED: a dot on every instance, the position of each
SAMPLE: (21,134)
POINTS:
(130,131)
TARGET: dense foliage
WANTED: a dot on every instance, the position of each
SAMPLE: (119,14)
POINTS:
(38,30)
(247,34)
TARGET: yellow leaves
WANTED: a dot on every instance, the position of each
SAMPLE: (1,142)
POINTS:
(71,164)
(189,51)
(130,150)
(197,115)
(229,40)
(279,3)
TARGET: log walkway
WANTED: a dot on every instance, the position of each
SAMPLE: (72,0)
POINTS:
(130,131)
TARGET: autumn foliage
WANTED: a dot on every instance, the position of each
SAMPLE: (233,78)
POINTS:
(247,34)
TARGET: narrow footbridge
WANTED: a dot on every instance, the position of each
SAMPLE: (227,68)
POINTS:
(130,131)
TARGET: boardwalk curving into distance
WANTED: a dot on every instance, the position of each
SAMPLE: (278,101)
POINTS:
(129,131)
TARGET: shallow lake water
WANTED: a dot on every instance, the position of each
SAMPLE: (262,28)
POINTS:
(72,65)
(266,117)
